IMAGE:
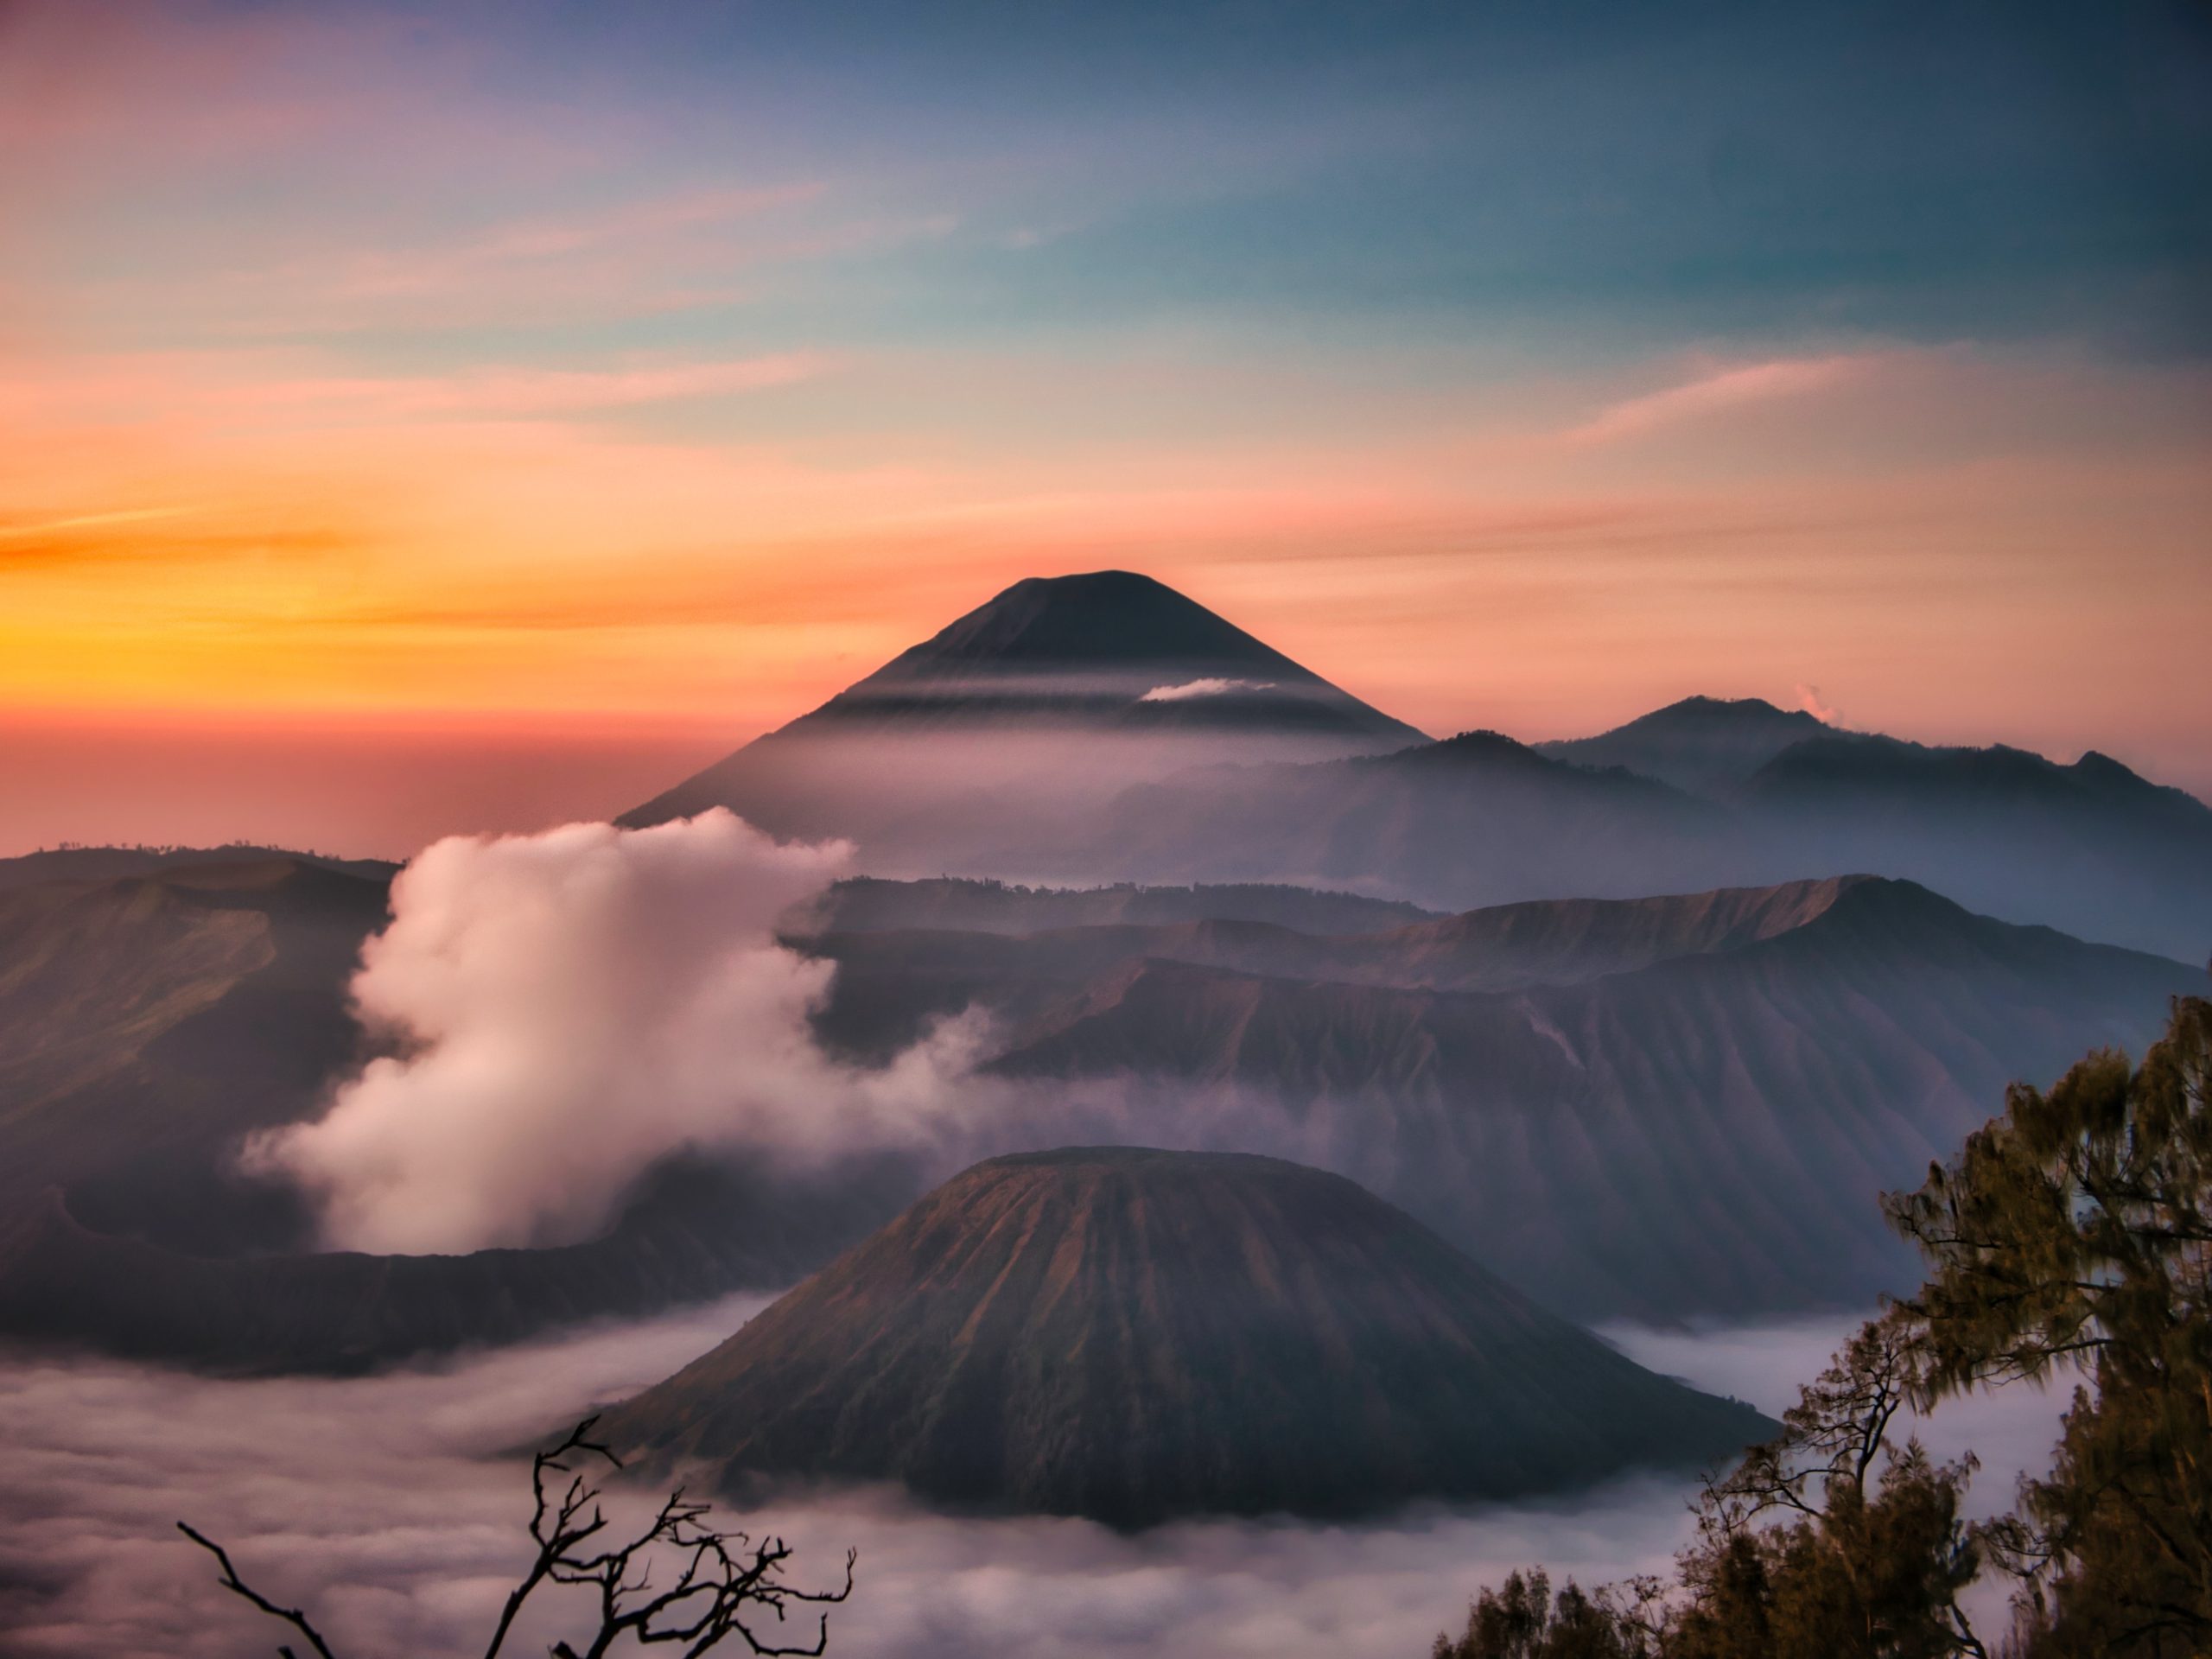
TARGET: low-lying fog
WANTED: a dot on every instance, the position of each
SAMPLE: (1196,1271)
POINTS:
(384,1506)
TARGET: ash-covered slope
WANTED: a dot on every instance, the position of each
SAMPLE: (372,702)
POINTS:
(1562,941)
(1662,1107)
(1134,1335)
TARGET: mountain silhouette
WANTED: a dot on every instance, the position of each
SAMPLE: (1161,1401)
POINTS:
(1705,745)
(1480,819)
(1661,1107)
(1134,1335)
(1002,730)
(1103,728)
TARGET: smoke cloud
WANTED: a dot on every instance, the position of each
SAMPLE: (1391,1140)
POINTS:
(570,1007)
(1808,699)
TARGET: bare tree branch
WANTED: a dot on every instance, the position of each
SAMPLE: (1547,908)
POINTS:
(231,1581)
(721,1580)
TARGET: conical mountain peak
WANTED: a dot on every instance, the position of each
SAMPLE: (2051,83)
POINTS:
(1106,647)
(1704,745)
(1096,681)
(1133,1334)
(1099,619)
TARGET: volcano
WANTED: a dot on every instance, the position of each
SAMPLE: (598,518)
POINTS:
(995,737)
(1134,1335)
(1111,648)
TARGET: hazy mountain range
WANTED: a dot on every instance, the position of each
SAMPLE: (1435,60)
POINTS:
(1640,1023)
(1659,1106)
(1558,1087)
(1031,740)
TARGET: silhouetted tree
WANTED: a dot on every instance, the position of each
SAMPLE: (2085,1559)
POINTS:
(720,1579)
(1830,1542)
(1833,1539)
(2074,1233)
(1523,1620)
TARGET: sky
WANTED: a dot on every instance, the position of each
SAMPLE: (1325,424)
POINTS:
(421,419)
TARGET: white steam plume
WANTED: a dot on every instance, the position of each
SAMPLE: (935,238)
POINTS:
(572,1006)
(1191,688)
(1808,699)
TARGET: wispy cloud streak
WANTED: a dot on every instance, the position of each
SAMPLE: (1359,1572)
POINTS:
(1715,392)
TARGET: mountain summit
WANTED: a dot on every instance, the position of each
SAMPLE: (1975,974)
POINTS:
(1036,705)
(1704,745)
(1133,1335)
(1110,648)
(1104,618)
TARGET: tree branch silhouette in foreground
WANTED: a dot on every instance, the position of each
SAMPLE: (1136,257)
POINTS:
(724,1584)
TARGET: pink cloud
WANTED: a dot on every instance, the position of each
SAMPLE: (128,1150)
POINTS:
(204,389)
(522,392)
(1717,391)
(625,230)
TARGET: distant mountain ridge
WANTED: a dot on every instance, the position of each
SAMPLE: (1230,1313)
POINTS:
(1134,1335)
(1473,820)
(1702,745)
(869,903)
(1663,1108)
(1480,819)
(105,864)
(1081,731)
(892,980)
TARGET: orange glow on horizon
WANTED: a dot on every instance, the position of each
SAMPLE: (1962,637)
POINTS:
(532,387)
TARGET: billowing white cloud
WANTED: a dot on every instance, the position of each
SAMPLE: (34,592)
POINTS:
(1720,390)
(570,1007)
(1191,689)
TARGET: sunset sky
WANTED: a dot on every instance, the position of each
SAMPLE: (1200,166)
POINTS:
(458,417)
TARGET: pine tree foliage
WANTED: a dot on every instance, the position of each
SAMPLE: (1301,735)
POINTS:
(2071,1237)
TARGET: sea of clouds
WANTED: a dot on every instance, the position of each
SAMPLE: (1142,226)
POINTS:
(392,1508)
